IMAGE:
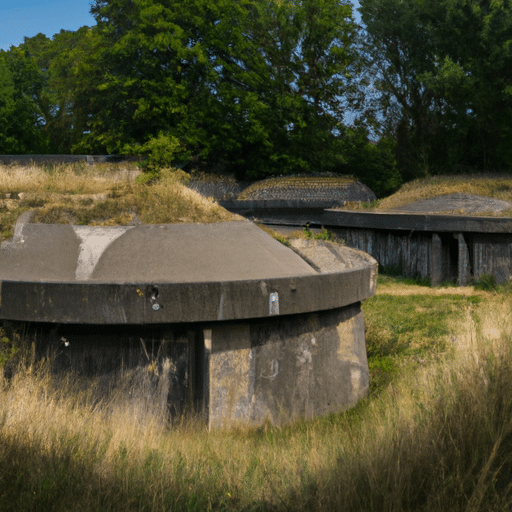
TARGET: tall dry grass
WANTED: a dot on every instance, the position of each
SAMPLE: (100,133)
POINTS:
(437,438)
(496,186)
(99,195)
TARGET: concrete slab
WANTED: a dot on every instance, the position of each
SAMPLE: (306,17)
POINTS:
(328,257)
(41,252)
(186,253)
(177,253)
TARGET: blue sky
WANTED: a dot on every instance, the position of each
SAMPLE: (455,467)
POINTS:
(20,18)
(26,18)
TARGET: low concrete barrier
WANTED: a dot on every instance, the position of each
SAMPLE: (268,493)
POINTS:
(63,159)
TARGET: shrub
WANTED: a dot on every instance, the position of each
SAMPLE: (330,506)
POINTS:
(486,282)
(158,152)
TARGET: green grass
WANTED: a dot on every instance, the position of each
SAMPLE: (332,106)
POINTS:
(409,330)
(433,435)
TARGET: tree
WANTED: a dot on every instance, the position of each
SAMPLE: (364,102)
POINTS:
(20,117)
(291,72)
(399,44)
(443,69)
(255,85)
(68,76)
(474,77)
(8,143)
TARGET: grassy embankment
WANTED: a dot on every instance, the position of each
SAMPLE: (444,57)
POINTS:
(435,434)
(102,194)
(496,186)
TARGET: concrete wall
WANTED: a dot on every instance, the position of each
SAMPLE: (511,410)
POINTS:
(283,368)
(276,369)
(459,257)
(492,254)
(62,159)
(442,257)
(410,252)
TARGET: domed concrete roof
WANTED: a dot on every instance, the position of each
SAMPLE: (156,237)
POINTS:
(170,273)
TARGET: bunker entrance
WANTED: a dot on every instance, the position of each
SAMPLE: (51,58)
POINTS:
(445,258)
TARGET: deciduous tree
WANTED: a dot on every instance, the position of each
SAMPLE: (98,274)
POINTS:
(255,85)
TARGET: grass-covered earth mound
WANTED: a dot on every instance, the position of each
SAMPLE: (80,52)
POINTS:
(480,194)
(101,195)
(331,189)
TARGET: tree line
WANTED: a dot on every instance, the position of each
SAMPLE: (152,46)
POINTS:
(265,87)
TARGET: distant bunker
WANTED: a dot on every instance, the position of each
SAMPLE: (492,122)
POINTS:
(453,237)
(325,191)
(248,329)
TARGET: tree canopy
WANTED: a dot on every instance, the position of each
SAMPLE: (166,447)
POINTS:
(443,69)
(261,87)
(258,86)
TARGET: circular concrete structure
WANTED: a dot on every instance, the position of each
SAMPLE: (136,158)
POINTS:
(172,273)
(256,330)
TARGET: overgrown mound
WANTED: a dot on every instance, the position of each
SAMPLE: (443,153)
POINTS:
(333,190)
(96,195)
(485,185)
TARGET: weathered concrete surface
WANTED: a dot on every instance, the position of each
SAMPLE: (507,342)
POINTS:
(328,257)
(176,253)
(462,203)
(416,222)
(286,368)
(63,159)
(163,274)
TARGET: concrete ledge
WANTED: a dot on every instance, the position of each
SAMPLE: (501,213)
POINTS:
(272,204)
(301,212)
(172,274)
(416,222)
(63,159)
(132,303)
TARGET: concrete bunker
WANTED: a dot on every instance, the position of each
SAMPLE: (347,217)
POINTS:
(244,328)
(438,246)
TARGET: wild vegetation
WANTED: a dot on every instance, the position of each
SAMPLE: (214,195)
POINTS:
(263,88)
(105,195)
(497,186)
(434,433)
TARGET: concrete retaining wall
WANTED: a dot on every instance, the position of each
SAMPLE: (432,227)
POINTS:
(63,159)
(275,369)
